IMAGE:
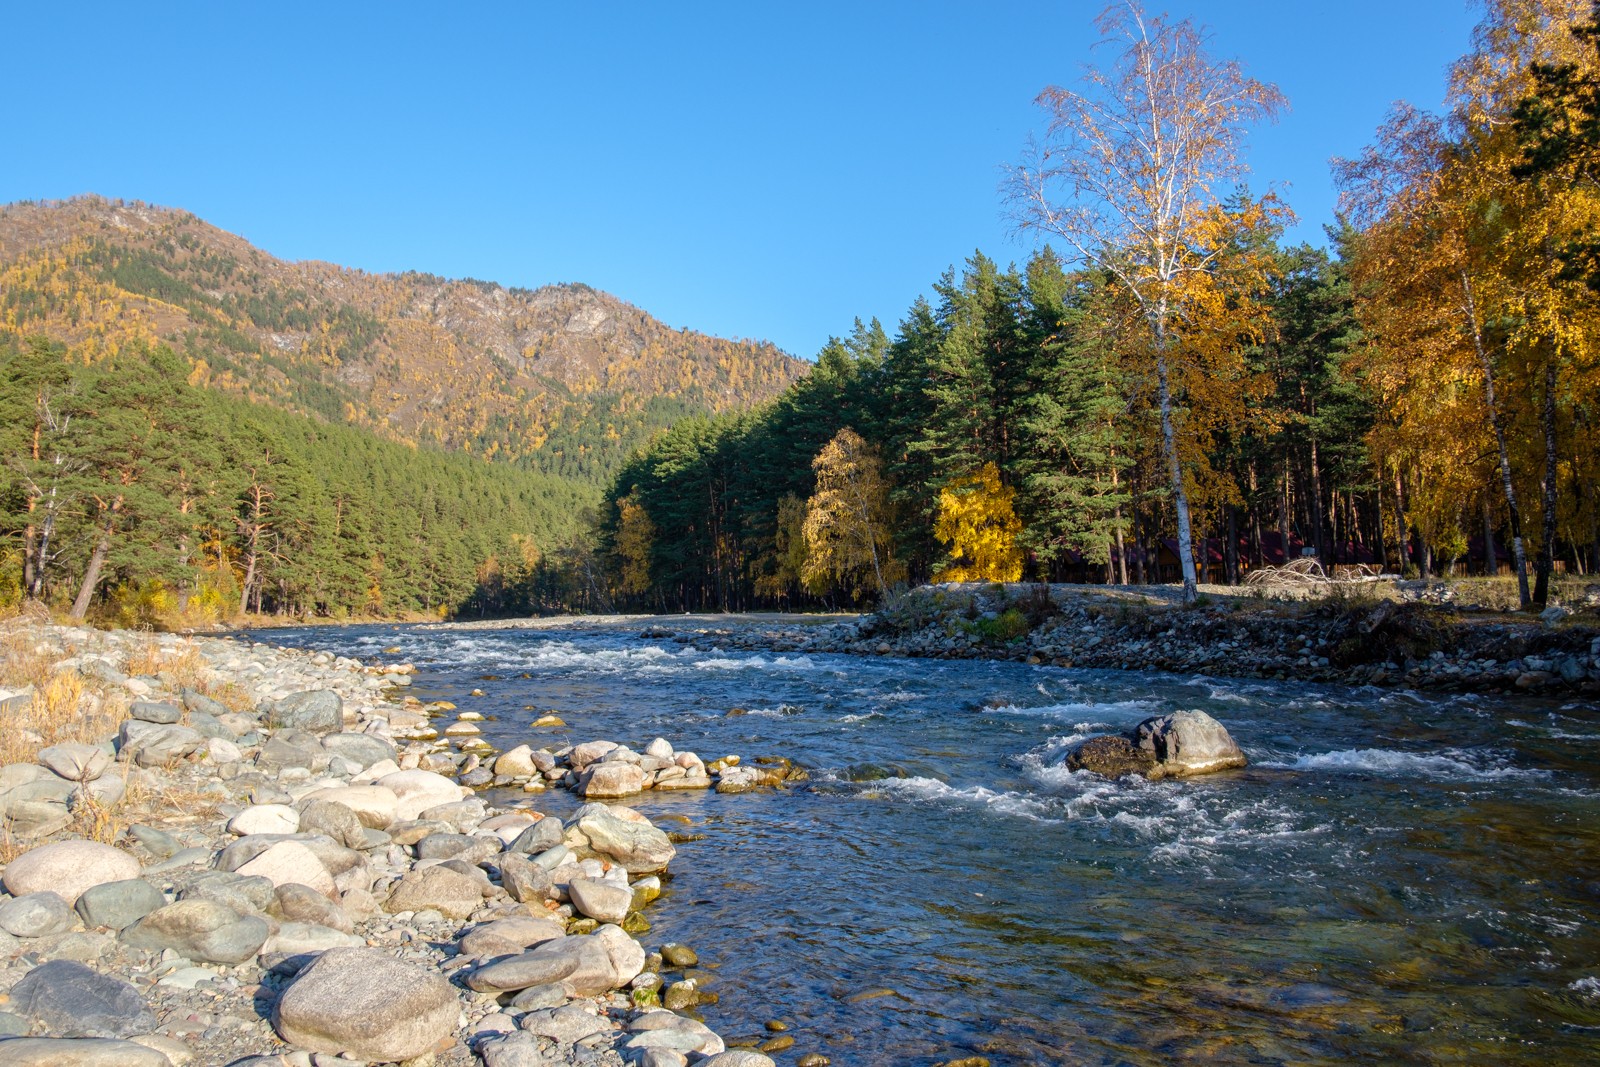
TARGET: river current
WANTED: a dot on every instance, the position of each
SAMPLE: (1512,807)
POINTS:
(1398,877)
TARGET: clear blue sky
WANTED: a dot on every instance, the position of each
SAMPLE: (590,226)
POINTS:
(751,170)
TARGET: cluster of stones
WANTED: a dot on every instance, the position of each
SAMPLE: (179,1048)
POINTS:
(1227,638)
(325,899)
(606,770)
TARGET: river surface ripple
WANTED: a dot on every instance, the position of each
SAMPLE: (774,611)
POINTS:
(1398,877)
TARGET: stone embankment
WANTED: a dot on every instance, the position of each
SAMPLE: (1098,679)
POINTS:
(1416,645)
(270,858)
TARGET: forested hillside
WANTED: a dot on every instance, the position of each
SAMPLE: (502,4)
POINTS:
(130,496)
(562,379)
(1425,399)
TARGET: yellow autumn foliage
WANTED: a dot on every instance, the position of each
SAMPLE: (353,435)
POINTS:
(979,525)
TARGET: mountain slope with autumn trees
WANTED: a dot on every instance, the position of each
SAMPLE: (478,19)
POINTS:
(563,379)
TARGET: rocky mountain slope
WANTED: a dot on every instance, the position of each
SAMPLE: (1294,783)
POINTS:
(564,377)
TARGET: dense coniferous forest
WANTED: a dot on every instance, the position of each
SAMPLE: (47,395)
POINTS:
(1425,398)
(130,496)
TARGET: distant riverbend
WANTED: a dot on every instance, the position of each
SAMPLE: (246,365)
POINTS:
(1399,876)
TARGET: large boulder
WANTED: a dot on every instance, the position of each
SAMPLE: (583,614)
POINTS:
(76,762)
(374,805)
(1187,743)
(265,819)
(291,863)
(513,934)
(155,744)
(605,901)
(118,905)
(451,893)
(552,961)
(611,779)
(67,868)
(36,915)
(317,711)
(78,1052)
(417,791)
(369,1005)
(362,749)
(627,839)
(70,1000)
(200,930)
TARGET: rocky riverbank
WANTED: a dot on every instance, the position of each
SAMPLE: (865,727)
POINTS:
(224,853)
(1423,643)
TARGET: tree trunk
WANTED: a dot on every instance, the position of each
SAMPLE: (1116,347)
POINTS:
(1519,551)
(1490,568)
(1283,512)
(1180,498)
(97,563)
(1547,547)
(1122,552)
(1400,528)
(1382,542)
(1230,551)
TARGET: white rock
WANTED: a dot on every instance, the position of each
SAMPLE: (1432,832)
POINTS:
(67,868)
(291,862)
(417,791)
(265,819)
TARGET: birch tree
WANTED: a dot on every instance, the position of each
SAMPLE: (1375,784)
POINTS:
(1130,173)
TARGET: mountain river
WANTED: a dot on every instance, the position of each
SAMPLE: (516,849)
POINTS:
(1397,878)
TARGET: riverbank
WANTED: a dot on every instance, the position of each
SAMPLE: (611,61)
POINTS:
(217,852)
(1426,642)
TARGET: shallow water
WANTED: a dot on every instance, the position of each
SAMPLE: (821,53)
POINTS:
(1397,878)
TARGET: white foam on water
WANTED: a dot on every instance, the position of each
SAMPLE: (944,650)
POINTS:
(1446,765)
(1110,715)
(931,790)
(754,663)
(1588,987)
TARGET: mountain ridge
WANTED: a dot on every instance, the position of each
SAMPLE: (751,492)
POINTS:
(565,378)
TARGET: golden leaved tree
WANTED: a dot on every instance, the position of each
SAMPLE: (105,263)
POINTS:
(979,526)
(847,527)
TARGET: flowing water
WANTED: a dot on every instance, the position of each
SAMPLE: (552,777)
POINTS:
(1398,877)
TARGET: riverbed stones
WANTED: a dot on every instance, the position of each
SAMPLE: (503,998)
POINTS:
(76,762)
(302,904)
(1188,743)
(566,1025)
(67,868)
(154,711)
(610,780)
(624,836)
(606,901)
(508,936)
(545,834)
(737,1058)
(364,750)
(368,1005)
(450,893)
(78,1052)
(375,805)
(71,1000)
(416,791)
(524,880)
(155,745)
(118,905)
(265,819)
(200,930)
(36,915)
(291,862)
(319,711)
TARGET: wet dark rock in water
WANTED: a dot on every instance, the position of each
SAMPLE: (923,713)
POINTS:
(1180,745)
(1112,756)
(873,772)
